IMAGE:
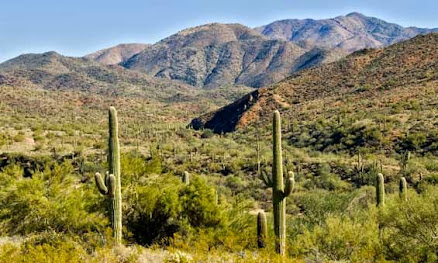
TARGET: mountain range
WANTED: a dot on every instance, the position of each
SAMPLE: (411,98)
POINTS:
(219,63)
(349,33)
(214,55)
(397,76)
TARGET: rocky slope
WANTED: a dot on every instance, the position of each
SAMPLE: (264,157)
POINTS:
(64,80)
(117,54)
(348,33)
(52,71)
(215,55)
(368,79)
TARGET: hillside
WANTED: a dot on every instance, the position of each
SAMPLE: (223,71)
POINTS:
(54,72)
(384,82)
(50,88)
(348,33)
(117,54)
(215,55)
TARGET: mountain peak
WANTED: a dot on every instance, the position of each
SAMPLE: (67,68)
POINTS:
(117,54)
(214,55)
(355,14)
(348,33)
(211,33)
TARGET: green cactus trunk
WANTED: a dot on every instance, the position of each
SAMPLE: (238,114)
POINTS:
(262,229)
(111,187)
(114,168)
(279,201)
(279,190)
(380,190)
(403,187)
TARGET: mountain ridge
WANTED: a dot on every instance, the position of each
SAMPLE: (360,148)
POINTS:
(350,33)
(53,71)
(371,72)
(214,55)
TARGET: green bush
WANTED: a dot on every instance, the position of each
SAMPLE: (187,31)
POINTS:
(340,239)
(47,201)
(410,228)
(163,206)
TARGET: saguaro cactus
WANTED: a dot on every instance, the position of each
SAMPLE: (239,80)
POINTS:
(380,190)
(262,229)
(111,187)
(404,162)
(279,190)
(403,186)
(258,156)
(186,178)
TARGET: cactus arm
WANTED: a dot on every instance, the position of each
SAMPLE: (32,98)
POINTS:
(265,178)
(100,184)
(106,178)
(111,185)
(290,184)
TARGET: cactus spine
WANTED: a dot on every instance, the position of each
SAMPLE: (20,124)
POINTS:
(380,190)
(186,178)
(279,190)
(403,186)
(111,187)
(262,229)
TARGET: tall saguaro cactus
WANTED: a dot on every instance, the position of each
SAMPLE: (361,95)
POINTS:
(262,229)
(403,189)
(279,190)
(111,187)
(380,190)
(404,162)
(258,156)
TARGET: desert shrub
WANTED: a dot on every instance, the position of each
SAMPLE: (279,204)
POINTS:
(236,231)
(20,137)
(153,211)
(199,204)
(317,205)
(339,239)
(410,228)
(327,180)
(207,134)
(47,201)
(53,247)
(160,207)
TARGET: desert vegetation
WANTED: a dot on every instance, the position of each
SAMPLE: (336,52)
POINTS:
(337,163)
(193,196)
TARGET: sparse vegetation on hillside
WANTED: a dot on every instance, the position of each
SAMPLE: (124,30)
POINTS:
(197,196)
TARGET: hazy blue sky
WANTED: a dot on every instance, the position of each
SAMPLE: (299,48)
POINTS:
(79,27)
